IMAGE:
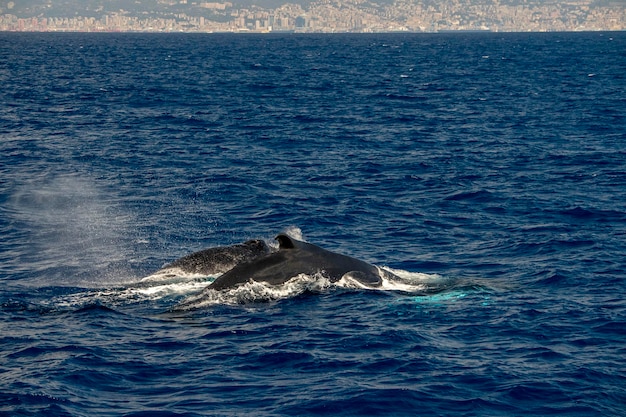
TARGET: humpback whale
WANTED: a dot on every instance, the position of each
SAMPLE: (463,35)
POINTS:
(295,257)
(219,259)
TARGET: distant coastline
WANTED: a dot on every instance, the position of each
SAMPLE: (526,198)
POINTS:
(323,16)
(296,32)
(464,30)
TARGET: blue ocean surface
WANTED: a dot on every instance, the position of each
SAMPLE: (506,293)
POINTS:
(486,170)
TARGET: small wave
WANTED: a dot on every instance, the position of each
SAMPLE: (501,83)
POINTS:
(477,196)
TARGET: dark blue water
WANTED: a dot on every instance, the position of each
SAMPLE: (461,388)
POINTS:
(488,170)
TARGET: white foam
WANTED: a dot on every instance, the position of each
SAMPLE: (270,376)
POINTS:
(172,274)
(404,281)
(176,284)
(151,288)
(169,289)
(254,291)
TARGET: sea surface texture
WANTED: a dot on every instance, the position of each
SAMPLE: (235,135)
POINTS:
(488,171)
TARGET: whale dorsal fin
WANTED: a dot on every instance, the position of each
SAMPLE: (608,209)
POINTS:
(285,242)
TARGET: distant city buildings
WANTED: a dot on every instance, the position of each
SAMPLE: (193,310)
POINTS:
(328,16)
